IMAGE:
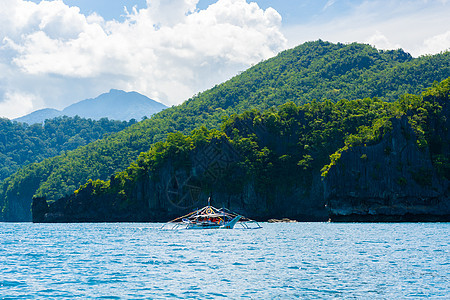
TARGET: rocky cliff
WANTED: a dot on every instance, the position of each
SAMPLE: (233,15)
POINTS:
(176,189)
(393,180)
(213,171)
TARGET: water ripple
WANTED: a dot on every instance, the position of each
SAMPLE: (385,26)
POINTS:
(302,260)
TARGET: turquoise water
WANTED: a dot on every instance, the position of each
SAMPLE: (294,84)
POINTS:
(306,260)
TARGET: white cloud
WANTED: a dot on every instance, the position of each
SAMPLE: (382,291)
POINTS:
(16,104)
(380,41)
(169,50)
(328,4)
(437,43)
(406,24)
(169,13)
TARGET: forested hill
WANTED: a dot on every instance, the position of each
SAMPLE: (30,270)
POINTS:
(321,70)
(22,144)
(315,70)
(365,159)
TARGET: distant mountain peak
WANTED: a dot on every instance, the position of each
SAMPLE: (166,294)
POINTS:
(115,105)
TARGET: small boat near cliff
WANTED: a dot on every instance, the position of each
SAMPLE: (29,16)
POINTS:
(210,217)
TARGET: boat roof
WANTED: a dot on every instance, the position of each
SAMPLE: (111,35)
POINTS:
(210,215)
(209,212)
(212,212)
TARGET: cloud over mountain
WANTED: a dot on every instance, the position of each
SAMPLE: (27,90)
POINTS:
(51,54)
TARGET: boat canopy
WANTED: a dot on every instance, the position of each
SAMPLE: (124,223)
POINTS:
(211,217)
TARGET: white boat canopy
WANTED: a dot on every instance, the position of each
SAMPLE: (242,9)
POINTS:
(210,217)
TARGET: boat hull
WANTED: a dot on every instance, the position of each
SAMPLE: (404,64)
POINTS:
(228,225)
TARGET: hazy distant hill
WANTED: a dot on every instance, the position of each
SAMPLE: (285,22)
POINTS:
(39,116)
(115,105)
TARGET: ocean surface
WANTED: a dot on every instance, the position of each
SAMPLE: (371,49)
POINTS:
(281,261)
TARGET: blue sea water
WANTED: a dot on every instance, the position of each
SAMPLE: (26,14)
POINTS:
(281,261)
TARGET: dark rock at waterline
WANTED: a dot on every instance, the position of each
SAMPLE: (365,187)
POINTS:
(86,207)
(367,218)
(39,207)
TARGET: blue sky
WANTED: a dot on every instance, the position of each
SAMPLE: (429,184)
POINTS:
(57,52)
(291,10)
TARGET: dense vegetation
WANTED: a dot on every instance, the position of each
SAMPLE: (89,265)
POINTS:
(284,146)
(22,144)
(316,70)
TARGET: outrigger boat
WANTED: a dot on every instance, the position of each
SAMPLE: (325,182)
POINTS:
(210,217)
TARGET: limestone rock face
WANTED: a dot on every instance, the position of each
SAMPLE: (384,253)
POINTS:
(393,180)
(180,187)
(212,171)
